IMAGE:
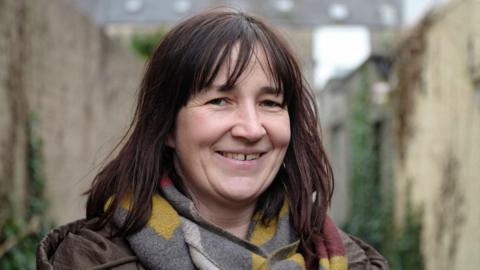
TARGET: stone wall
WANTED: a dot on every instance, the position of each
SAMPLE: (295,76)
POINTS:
(336,102)
(438,165)
(57,65)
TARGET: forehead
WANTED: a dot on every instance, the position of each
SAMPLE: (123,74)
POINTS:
(257,64)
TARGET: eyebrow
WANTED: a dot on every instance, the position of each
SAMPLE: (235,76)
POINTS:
(264,89)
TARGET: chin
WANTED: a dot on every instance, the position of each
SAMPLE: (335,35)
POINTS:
(241,194)
(241,189)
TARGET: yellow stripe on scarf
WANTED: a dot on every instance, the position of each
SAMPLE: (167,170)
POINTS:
(261,263)
(262,234)
(258,262)
(164,220)
(334,263)
(298,258)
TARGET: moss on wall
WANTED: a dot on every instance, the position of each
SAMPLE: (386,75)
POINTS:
(372,203)
(20,234)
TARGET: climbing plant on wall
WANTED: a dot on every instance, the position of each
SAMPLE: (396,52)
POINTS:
(20,234)
(371,216)
(366,196)
(144,43)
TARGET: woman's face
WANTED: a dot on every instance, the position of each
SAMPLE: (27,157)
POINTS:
(230,143)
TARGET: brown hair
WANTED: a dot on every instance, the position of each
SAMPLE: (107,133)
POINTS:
(186,62)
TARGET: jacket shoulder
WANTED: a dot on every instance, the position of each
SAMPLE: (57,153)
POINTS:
(362,256)
(77,246)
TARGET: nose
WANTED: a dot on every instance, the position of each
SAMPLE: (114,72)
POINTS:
(248,125)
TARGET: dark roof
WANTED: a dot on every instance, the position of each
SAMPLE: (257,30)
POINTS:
(303,12)
(382,64)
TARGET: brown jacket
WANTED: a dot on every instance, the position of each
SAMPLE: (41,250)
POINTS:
(75,246)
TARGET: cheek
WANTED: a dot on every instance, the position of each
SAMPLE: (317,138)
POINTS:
(196,129)
(281,133)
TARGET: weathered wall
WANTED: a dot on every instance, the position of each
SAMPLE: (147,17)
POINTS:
(58,65)
(441,150)
(335,110)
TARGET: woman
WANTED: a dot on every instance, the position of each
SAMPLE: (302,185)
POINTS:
(223,167)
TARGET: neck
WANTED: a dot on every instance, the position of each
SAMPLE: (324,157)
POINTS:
(235,221)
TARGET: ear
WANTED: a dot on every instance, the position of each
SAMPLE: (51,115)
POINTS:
(170,141)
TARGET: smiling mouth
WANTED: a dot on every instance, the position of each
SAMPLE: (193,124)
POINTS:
(240,156)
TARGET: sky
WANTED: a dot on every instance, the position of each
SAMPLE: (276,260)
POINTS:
(340,49)
(415,9)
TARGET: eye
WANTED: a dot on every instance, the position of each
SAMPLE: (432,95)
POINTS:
(218,101)
(271,104)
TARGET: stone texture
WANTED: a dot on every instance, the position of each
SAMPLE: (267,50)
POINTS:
(79,83)
(442,150)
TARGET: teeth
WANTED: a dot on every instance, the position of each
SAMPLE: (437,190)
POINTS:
(240,156)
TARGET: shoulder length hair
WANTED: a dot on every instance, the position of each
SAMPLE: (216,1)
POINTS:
(186,62)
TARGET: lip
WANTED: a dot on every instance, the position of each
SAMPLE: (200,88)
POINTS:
(241,164)
(224,153)
(242,151)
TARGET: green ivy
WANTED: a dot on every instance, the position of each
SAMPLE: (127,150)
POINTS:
(144,43)
(20,234)
(366,213)
(405,251)
(371,216)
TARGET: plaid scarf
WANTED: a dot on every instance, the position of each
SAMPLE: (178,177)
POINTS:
(176,237)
